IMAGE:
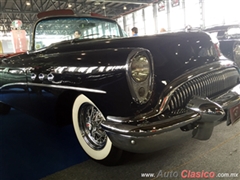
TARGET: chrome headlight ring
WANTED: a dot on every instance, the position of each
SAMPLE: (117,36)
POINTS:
(140,75)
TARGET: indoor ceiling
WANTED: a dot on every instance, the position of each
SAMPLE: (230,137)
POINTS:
(27,10)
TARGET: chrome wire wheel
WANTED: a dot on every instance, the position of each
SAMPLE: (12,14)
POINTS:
(89,120)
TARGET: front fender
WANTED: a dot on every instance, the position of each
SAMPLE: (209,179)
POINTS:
(99,74)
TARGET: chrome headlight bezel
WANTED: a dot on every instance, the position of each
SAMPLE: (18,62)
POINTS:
(140,75)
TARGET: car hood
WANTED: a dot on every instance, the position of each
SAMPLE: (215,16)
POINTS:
(173,53)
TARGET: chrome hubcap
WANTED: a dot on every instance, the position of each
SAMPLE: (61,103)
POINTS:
(90,119)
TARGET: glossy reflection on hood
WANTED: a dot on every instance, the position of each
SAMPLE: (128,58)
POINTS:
(88,70)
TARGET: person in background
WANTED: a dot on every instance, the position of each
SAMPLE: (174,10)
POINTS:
(77,34)
(134,31)
(162,30)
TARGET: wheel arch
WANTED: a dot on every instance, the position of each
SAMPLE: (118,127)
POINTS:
(64,105)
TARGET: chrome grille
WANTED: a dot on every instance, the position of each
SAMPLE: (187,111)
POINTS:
(206,85)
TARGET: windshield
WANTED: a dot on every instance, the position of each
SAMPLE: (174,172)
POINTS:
(67,28)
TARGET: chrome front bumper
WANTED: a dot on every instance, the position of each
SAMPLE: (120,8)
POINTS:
(158,132)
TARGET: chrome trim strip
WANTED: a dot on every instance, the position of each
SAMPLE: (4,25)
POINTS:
(13,84)
(55,86)
(118,119)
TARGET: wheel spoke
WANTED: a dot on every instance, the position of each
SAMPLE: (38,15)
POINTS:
(90,122)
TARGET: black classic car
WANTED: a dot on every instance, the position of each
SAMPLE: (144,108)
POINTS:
(228,40)
(136,94)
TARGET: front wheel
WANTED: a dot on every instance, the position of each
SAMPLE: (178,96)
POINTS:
(87,120)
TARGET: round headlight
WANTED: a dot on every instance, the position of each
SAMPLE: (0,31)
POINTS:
(140,68)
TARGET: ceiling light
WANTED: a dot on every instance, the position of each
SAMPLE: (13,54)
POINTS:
(103,7)
(69,5)
(28,3)
(124,7)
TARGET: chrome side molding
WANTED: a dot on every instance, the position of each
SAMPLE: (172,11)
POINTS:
(11,85)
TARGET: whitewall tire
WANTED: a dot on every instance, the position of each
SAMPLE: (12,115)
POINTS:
(94,141)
